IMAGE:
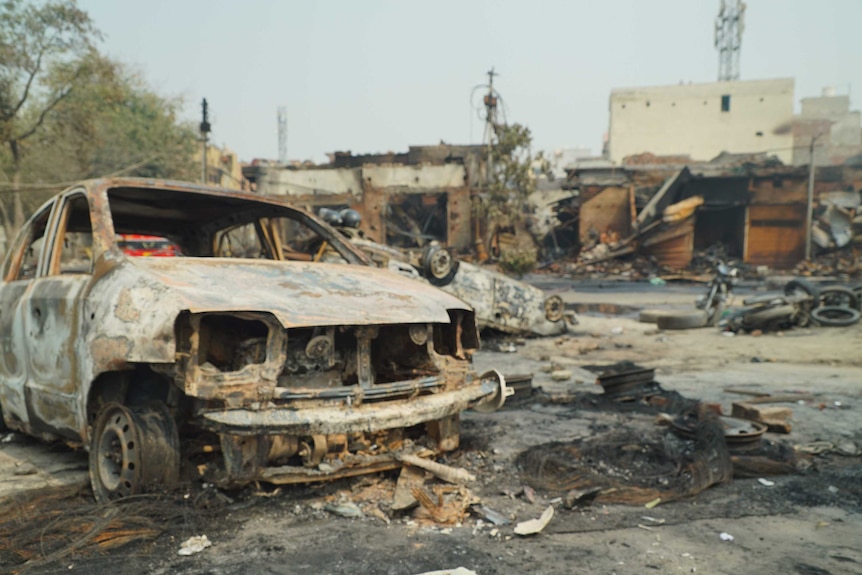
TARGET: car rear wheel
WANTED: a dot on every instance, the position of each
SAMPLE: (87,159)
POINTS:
(133,450)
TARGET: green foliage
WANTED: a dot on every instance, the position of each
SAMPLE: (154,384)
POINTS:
(511,179)
(518,261)
(114,125)
(68,113)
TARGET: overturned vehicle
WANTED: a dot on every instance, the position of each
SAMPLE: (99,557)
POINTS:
(500,303)
(242,355)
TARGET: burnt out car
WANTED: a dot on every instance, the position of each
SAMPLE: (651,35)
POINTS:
(500,303)
(242,357)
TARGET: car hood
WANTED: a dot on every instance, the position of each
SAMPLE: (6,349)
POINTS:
(300,293)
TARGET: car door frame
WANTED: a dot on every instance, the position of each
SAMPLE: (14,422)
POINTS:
(51,313)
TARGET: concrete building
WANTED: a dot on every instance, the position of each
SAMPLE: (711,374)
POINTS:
(405,199)
(838,130)
(703,120)
(223,167)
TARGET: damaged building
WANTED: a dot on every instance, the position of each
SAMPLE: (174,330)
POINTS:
(755,208)
(406,199)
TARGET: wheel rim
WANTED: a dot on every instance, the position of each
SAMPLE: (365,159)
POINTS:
(441,263)
(118,455)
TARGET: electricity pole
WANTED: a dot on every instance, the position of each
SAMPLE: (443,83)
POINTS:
(205,129)
(810,210)
(490,102)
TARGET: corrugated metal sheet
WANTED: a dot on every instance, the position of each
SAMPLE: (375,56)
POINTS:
(674,245)
(775,235)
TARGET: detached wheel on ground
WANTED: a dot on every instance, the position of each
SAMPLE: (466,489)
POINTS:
(839,296)
(835,316)
(682,320)
(652,315)
(132,450)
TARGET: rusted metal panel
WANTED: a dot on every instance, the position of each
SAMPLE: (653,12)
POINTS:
(459,209)
(373,210)
(780,189)
(608,211)
(775,235)
(673,246)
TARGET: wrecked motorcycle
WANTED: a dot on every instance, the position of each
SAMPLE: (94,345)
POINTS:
(719,292)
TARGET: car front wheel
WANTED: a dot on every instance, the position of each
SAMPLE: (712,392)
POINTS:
(133,450)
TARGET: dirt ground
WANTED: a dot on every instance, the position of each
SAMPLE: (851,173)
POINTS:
(807,522)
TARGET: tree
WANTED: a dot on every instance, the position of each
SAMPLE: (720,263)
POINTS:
(45,51)
(511,182)
(113,124)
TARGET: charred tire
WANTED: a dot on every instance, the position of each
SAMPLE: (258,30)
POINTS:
(133,450)
(800,285)
(439,265)
(838,296)
(652,315)
(857,289)
(835,316)
(682,320)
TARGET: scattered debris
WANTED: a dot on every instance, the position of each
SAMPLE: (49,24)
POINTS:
(345,509)
(456,571)
(447,504)
(726,536)
(561,375)
(775,418)
(580,497)
(194,545)
(534,526)
(653,503)
(766,482)
(409,478)
(495,517)
(444,472)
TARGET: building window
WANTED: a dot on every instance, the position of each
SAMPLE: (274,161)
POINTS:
(725,103)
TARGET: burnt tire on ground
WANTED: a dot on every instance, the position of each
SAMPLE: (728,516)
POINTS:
(133,450)
(652,315)
(682,320)
(838,296)
(797,285)
(835,316)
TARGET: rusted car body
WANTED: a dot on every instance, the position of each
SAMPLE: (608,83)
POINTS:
(247,345)
(499,302)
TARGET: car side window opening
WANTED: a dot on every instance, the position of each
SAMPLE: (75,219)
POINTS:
(73,250)
(242,242)
(29,260)
(298,241)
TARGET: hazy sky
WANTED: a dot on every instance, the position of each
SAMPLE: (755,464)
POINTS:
(374,75)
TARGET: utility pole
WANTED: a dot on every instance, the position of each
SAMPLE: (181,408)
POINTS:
(490,135)
(282,135)
(729,26)
(810,212)
(205,129)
